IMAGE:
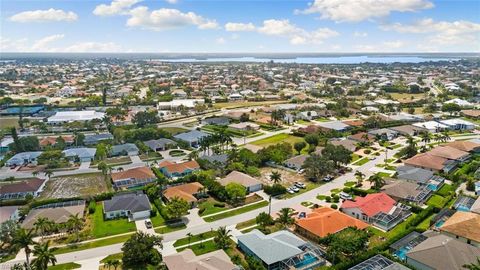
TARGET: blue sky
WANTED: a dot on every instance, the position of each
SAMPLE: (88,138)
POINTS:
(240,26)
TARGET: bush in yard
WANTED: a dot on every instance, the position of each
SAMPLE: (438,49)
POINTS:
(219,204)
(236,192)
(92,205)
(367,151)
(139,251)
(328,199)
(334,206)
(275,189)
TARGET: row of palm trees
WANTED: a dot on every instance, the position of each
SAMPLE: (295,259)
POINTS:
(23,239)
(217,142)
(44,226)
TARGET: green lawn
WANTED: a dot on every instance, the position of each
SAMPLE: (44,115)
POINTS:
(103,227)
(425,225)
(360,162)
(355,157)
(237,211)
(167,229)
(158,219)
(376,238)
(195,238)
(64,266)
(246,224)
(384,174)
(94,244)
(210,208)
(309,186)
(436,201)
(350,183)
(303,122)
(174,130)
(116,256)
(199,249)
(445,190)
(279,138)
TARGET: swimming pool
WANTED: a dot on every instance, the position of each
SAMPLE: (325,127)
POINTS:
(307,259)
(402,253)
(463,208)
(432,187)
(439,223)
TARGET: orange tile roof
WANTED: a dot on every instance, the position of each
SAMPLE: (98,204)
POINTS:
(135,173)
(427,160)
(372,204)
(184,191)
(52,140)
(179,167)
(325,220)
(354,123)
(448,152)
(463,145)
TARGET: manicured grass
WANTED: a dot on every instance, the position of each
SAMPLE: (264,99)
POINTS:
(174,130)
(167,229)
(157,220)
(194,238)
(103,227)
(425,225)
(321,197)
(361,162)
(202,248)
(210,208)
(279,138)
(237,211)
(355,157)
(376,238)
(309,186)
(94,244)
(436,201)
(306,204)
(246,224)
(384,174)
(64,266)
(176,153)
(303,122)
(116,256)
(250,229)
(445,190)
(350,183)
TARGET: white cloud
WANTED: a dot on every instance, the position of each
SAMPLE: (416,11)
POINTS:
(42,45)
(116,7)
(220,40)
(441,32)
(172,1)
(360,34)
(164,19)
(396,44)
(49,15)
(359,10)
(47,44)
(386,46)
(283,28)
(239,27)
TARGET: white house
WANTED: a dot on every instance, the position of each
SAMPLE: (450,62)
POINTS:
(133,205)
(458,124)
(174,104)
(72,116)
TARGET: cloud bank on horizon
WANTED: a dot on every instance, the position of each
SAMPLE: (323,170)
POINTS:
(241,26)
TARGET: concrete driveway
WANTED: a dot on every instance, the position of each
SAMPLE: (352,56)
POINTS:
(141,227)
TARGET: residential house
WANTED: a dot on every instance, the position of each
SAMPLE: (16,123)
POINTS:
(127,149)
(134,177)
(458,124)
(59,213)
(378,262)
(24,158)
(134,205)
(450,153)
(441,252)
(405,191)
(378,209)
(295,162)
(384,133)
(307,115)
(431,126)
(170,169)
(92,139)
(82,154)
(217,121)
(20,189)
(251,184)
(407,130)
(430,162)
(161,144)
(464,226)
(5,144)
(467,146)
(192,137)
(176,103)
(52,140)
(280,250)
(187,260)
(475,114)
(221,159)
(244,126)
(9,213)
(188,192)
(362,137)
(334,125)
(414,174)
(324,221)
(350,145)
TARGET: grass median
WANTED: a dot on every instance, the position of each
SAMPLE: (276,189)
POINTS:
(237,211)
(93,244)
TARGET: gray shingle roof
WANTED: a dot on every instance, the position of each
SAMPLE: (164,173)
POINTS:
(414,174)
(134,202)
(191,136)
(80,152)
(127,147)
(274,247)
(159,143)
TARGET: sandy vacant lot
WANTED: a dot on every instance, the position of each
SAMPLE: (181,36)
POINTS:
(288,177)
(82,185)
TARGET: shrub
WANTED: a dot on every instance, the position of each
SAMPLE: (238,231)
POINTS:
(328,199)
(92,206)
(275,189)
(219,204)
(367,151)
(334,206)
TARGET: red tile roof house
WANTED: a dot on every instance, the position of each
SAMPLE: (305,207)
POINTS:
(187,192)
(378,209)
(20,189)
(135,177)
(170,169)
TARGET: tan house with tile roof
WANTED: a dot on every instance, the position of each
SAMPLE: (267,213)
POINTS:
(464,226)
(187,260)
(187,192)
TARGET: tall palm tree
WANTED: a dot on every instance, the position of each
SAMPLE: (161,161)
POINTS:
(285,217)
(359,175)
(445,136)
(276,177)
(116,264)
(48,174)
(24,239)
(377,181)
(201,236)
(222,239)
(42,225)
(108,264)
(44,256)
(426,138)
(189,235)
(74,224)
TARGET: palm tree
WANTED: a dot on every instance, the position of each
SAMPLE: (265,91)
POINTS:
(115,264)
(193,155)
(285,217)
(34,173)
(445,136)
(359,175)
(276,177)
(74,224)
(44,256)
(42,225)
(48,174)
(23,239)
(222,239)
(426,138)
(377,181)
(473,265)
(201,236)
(108,264)
(189,235)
